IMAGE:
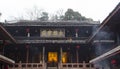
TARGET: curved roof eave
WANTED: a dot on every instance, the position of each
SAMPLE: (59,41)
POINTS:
(6,34)
(106,21)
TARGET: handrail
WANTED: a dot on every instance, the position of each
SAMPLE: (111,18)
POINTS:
(60,66)
(77,65)
(27,66)
(48,38)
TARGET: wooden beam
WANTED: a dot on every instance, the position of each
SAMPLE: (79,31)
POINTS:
(4,31)
(112,52)
(6,59)
(62,41)
(51,41)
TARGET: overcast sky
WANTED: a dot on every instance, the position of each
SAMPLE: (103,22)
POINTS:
(95,9)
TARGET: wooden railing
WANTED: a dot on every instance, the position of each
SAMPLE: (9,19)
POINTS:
(76,66)
(27,66)
(43,66)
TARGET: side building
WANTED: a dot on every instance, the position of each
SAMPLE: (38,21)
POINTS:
(108,54)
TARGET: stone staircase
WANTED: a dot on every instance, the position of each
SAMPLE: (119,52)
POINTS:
(52,67)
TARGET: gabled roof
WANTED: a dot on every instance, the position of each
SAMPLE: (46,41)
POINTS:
(113,19)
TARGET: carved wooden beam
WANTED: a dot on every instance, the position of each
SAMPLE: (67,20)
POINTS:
(106,55)
(6,59)
(8,35)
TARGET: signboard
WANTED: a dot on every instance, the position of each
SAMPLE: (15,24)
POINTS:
(52,33)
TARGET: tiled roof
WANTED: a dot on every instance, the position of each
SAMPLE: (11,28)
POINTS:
(49,23)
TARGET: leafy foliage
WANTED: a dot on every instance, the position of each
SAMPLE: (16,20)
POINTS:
(74,15)
(70,14)
(44,16)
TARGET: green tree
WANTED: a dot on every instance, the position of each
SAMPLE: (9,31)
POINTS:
(60,14)
(77,16)
(0,13)
(44,16)
(72,15)
(69,15)
(34,13)
(54,18)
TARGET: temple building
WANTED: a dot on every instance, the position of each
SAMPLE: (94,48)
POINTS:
(61,45)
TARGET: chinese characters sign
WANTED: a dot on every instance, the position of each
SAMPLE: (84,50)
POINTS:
(52,33)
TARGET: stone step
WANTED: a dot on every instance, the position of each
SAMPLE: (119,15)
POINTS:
(52,67)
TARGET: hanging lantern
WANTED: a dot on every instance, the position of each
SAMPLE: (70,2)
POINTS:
(27,30)
(76,30)
(113,61)
(27,46)
(77,46)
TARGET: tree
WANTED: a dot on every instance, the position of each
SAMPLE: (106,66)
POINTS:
(69,15)
(60,14)
(0,13)
(34,13)
(44,16)
(54,18)
(72,15)
(38,14)
(77,16)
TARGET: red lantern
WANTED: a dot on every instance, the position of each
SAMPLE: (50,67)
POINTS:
(113,61)
(76,30)
(27,46)
(27,30)
(78,47)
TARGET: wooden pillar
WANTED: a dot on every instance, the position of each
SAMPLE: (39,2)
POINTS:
(77,54)
(90,65)
(43,54)
(60,64)
(2,66)
(20,65)
(44,64)
(77,57)
(3,47)
(118,39)
(60,54)
(27,54)
(84,65)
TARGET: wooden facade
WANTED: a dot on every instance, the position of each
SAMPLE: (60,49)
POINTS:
(50,44)
(62,45)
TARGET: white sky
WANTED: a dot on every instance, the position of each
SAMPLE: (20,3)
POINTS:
(95,9)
